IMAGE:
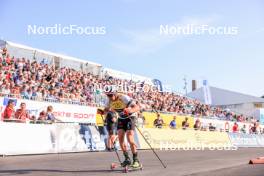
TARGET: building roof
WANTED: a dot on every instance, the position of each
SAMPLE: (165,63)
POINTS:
(225,97)
(48,53)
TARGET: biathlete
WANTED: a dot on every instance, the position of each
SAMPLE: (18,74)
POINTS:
(126,109)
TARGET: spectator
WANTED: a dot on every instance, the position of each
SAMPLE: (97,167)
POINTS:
(140,120)
(49,115)
(243,129)
(173,123)
(42,116)
(211,127)
(6,89)
(185,123)
(197,124)
(9,110)
(253,129)
(24,93)
(262,131)
(235,128)
(158,122)
(22,113)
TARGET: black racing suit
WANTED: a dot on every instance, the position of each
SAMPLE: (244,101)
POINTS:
(124,122)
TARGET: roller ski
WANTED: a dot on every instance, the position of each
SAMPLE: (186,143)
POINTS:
(127,166)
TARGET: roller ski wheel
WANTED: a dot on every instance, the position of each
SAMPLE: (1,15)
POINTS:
(113,166)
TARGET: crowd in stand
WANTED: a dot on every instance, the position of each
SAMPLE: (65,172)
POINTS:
(22,115)
(22,78)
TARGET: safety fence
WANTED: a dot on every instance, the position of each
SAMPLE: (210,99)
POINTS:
(74,134)
(22,138)
(97,99)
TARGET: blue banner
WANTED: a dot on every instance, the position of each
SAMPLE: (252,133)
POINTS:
(6,100)
(246,140)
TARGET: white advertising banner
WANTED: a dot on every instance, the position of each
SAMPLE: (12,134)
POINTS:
(21,138)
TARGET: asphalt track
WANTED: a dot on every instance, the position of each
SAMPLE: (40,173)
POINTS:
(193,163)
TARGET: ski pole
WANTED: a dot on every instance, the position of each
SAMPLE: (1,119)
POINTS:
(115,149)
(113,143)
(151,147)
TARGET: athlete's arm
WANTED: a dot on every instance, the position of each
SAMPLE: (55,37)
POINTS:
(132,108)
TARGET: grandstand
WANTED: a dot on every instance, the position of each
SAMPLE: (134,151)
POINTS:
(34,74)
(58,60)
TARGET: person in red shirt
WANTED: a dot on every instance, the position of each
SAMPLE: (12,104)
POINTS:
(22,114)
(235,128)
(9,110)
(8,76)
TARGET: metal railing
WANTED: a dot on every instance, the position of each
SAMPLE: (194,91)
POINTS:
(95,102)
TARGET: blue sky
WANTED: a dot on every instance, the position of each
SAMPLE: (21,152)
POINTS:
(133,42)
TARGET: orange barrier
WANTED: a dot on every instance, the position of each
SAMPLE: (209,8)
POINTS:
(259,160)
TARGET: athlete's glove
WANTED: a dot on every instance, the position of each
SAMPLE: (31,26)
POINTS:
(125,112)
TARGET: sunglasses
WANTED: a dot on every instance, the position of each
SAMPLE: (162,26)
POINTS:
(110,95)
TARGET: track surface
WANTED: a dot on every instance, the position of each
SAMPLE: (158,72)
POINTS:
(194,163)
